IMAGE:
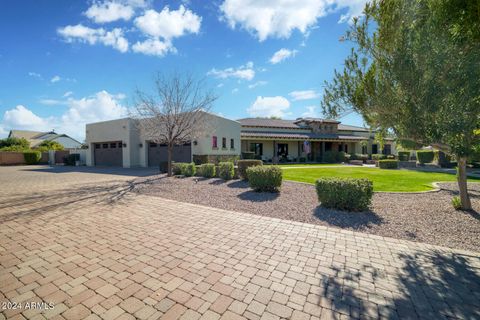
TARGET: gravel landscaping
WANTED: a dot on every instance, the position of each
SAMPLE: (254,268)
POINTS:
(425,217)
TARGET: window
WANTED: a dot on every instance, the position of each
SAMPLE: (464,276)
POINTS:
(257,148)
(97,145)
(214,142)
(120,145)
(113,145)
(232,144)
(387,149)
(374,149)
(105,146)
(346,148)
(224,143)
(153,144)
(282,149)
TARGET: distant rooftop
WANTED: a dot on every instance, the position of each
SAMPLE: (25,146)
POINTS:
(293,124)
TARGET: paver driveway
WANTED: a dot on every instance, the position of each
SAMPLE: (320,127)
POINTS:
(96,250)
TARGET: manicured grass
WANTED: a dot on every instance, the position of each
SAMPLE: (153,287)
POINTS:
(294,165)
(383,180)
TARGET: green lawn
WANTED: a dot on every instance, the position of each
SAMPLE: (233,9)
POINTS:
(383,180)
(294,165)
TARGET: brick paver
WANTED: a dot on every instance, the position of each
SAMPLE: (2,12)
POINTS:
(81,241)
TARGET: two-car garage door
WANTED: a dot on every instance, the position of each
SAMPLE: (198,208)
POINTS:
(158,153)
(108,153)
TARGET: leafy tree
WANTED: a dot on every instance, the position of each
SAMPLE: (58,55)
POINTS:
(49,145)
(14,144)
(414,71)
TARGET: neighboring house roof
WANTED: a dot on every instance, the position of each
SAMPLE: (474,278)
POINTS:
(288,135)
(292,124)
(37,137)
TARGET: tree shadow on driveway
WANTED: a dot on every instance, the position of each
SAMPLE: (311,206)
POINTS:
(425,285)
(68,199)
(345,219)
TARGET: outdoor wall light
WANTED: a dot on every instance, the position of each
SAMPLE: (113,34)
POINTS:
(195,142)
(140,145)
(124,145)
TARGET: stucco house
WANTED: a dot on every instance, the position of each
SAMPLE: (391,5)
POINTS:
(37,137)
(120,143)
(309,138)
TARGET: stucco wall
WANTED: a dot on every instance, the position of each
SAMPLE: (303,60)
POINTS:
(115,130)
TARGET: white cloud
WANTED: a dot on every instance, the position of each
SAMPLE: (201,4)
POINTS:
(153,47)
(220,85)
(281,55)
(55,79)
(168,24)
(235,90)
(304,95)
(52,102)
(269,106)
(244,72)
(98,107)
(67,94)
(81,33)
(109,11)
(257,84)
(278,18)
(311,112)
(22,118)
(35,75)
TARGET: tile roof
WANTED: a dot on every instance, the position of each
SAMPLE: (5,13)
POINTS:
(301,136)
(290,124)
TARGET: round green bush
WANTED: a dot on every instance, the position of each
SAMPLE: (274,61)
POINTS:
(244,164)
(178,168)
(388,164)
(404,155)
(345,193)
(32,157)
(226,170)
(265,178)
(188,169)
(425,156)
(207,170)
(329,157)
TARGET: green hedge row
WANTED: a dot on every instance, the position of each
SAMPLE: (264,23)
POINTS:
(425,156)
(403,155)
(265,178)
(388,164)
(226,170)
(345,193)
(206,170)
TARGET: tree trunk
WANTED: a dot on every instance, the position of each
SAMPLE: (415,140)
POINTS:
(169,159)
(462,183)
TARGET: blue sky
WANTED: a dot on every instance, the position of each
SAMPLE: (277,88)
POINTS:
(67,63)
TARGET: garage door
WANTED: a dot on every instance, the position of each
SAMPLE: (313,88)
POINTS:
(108,154)
(158,153)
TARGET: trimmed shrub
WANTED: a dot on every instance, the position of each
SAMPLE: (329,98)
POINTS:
(378,156)
(390,156)
(188,169)
(302,159)
(248,155)
(345,193)
(403,155)
(340,156)
(207,170)
(388,164)
(329,157)
(178,168)
(425,156)
(226,170)
(265,178)
(244,164)
(32,157)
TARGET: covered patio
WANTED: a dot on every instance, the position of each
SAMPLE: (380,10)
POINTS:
(299,147)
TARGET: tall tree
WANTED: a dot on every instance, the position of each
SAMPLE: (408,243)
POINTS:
(414,70)
(176,113)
